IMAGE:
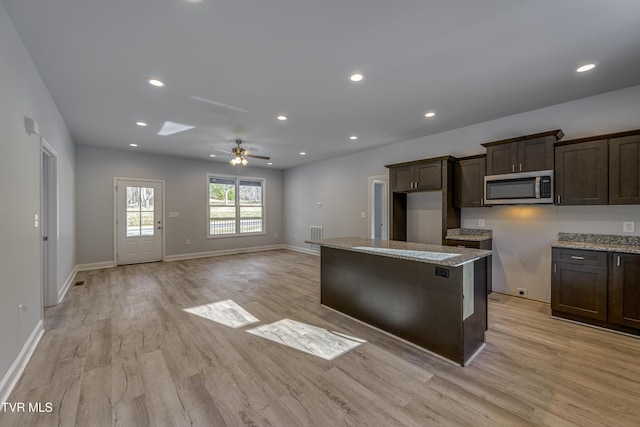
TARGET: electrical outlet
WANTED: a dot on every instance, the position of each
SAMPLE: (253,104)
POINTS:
(628,226)
(522,292)
(188,242)
(363,214)
(481,223)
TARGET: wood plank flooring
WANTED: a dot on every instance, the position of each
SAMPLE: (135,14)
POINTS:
(120,351)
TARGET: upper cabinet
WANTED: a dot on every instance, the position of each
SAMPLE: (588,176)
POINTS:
(624,170)
(470,172)
(598,170)
(416,176)
(581,173)
(523,154)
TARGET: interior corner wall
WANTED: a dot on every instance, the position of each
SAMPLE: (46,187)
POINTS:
(185,182)
(522,236)
(23,93)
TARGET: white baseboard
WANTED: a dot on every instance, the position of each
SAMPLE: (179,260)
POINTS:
(67,284)
(15,371)
(302,250)
(195,255)
(95,266)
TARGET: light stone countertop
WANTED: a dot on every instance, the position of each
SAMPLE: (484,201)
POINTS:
(599,242)
(449,256)
(469,234)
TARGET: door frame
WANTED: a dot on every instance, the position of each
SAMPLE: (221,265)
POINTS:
(115,213)
(384,181)
(49,223)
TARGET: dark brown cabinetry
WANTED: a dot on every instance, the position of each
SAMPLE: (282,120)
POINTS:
(470,172)
(624,291)
(417,177)
(624,170)
(579,283)
(435,174)
(597,287)
(522,154)
(599,170)
(581,173)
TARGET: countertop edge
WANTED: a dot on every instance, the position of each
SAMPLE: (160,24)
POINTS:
(472,255)
(597,247)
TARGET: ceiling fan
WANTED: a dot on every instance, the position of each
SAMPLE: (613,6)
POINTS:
(240,155)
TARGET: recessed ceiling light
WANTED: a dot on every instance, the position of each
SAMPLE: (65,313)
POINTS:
(353,137)
(429,114)
(156,82)
(194,1)
(302,153)
(212,155)
(142,124)
(133,145)
(269,163)
(586,67)
(281,117)
(356,77)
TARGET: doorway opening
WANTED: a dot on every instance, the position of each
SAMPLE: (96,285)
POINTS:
(379,208)
(49,224)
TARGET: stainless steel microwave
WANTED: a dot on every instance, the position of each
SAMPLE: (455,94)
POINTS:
(521,188)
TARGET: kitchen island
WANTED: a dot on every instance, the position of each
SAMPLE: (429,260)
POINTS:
(430,295)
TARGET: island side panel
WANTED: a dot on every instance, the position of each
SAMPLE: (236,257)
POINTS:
(402,297)
(475,325)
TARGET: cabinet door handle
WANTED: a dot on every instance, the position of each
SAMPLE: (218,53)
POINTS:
(558,199)
(520,167)
(555,268)
(513,168)
(481,202)
(618,263)
(576,257)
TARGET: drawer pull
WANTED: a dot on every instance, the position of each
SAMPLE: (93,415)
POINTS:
(618,261)
(576,257)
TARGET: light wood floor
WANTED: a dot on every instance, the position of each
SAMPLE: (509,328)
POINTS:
(121,351)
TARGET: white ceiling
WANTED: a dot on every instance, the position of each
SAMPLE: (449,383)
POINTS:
(467,60)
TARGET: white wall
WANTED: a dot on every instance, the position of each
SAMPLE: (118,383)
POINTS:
(185,192)
(22,93)
(522,236)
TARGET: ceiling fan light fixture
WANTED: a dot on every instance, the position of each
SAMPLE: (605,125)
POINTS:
(244,162)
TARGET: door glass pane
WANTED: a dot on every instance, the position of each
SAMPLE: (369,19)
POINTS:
(133,198)
(133,224)
(140,211)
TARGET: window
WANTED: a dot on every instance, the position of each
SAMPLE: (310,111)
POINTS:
(236,206)
(140,210)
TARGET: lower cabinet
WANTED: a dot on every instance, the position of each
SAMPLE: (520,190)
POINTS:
(596,287)
(579,283)
(624,290)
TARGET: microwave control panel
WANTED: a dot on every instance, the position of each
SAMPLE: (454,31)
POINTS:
(545,187)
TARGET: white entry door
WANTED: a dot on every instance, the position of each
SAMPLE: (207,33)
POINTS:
(139,226)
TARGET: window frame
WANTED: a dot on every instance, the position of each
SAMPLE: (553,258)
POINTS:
(237,205)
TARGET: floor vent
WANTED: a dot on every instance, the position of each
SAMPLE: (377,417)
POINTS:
(79,283)
(315,233)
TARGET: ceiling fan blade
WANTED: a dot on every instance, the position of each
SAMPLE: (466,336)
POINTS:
(258,157)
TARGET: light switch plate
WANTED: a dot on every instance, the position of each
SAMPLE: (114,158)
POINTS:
(628,227)
(174,214)
(363,214)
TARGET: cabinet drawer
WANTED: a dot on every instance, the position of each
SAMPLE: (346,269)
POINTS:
(579,256)
(462,243)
